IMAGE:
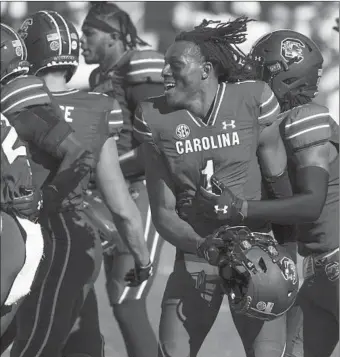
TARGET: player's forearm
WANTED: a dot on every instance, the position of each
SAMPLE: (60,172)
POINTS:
(305,206)
(125,215)
(300,208)
(131,163)
(130,228)
(74,167)
(176,231)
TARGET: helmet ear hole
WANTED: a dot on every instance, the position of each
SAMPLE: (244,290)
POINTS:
(290,80)
(263,265)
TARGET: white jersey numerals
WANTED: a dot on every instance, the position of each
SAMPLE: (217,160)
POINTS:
(208,171)
(9,141)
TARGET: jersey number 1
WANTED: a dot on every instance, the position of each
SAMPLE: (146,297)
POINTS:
(8,143)
(207,172)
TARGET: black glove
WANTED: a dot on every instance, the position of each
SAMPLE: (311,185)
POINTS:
(224,207)
(26,205)
(336,28)
(213,248)
(139,274)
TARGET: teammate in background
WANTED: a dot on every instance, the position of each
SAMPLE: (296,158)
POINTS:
(48,312)
(22,244)
(96,119)
(129,75)
(291,63)
(201,126)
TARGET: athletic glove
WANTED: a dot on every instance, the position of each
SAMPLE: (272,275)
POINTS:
(26,205)
(139,274)
(212,249)
(225,206)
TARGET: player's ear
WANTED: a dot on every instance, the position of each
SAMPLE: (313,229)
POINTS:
(112,38)
(207,68)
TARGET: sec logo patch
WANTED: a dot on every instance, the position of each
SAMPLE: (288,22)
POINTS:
(182,131)
(54,46)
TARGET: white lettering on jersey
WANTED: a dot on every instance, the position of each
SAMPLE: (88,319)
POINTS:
(207,143)
(67,112)
(9,141)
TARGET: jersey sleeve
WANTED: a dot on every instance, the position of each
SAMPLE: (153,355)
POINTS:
(41,126)
(145,67)
(269,107)
(305,128)
(115,118)
(141,129)
(22,93)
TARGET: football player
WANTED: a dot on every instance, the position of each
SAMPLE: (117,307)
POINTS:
(128,74)
(292,65)
(203,125)
(47,314)
(22,244)
(96,119)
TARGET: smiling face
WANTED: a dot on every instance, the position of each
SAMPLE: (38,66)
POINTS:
(183,74)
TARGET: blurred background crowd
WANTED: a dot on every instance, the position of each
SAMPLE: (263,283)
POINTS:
(158,22)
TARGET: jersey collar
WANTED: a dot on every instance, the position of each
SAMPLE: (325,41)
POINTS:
(212,116)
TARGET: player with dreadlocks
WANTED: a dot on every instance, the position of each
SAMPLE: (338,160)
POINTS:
(291,64)
(128,75)
(210,120)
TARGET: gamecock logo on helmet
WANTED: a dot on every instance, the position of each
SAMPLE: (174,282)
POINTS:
(292,48)
(288,270)
(24,28)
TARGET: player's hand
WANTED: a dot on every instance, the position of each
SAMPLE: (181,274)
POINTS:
(336,28)
(27,204)
(224,207)
(139,274)
(211,249)
(214,249)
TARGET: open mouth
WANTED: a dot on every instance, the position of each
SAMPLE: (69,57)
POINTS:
(169,86)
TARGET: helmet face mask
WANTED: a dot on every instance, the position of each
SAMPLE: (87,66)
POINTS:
(13,55)
(260,277)
(289,62)
(51,41)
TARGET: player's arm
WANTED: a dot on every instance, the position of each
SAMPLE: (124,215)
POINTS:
(311,182)
(41,126)
(161,191)
(308,139)
(272,158)
(163,204)
(132,162)
(124,211)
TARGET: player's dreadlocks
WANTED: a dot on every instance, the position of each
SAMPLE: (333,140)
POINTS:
(103,16)
(218,45)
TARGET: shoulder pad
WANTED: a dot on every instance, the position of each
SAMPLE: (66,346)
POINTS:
(23,92)
(145,67)
(307,125)
(147,123)
(268,105)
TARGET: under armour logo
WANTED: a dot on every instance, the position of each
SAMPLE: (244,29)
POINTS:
(226,125)
(224,209)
